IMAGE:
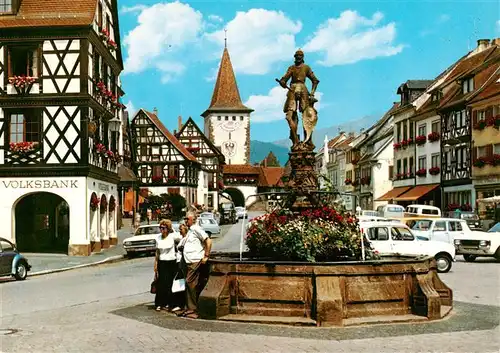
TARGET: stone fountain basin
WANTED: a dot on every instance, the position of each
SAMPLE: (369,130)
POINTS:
(324,294)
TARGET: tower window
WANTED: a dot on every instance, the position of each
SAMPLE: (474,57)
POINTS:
(219,118)
(234,118)
(227,118)
(241,118)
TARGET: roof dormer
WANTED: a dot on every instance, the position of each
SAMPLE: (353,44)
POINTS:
(467,84)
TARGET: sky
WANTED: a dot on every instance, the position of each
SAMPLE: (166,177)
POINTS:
(360,51)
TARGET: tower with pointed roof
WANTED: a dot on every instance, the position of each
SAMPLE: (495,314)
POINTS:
(227,119)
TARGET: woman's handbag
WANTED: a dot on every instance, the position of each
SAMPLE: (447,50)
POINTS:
(179,285)
(153,287)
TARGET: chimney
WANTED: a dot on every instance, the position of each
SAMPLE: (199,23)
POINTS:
(495,41)
(483,44)
(155,111)
(179,123)
(351,134)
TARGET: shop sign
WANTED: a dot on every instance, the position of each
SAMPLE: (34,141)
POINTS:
(103,187)
(40,184)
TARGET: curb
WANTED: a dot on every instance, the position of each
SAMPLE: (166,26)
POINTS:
(106,260)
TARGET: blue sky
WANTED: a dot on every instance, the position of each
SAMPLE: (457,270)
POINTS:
(361,52)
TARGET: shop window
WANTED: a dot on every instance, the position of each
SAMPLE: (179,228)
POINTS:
(24,127)
(23,61)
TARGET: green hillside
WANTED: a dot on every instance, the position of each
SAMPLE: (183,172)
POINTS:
(259,150)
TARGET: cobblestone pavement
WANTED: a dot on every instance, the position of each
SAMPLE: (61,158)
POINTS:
(106,309)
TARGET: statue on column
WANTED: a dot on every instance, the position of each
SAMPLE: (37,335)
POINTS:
(299,99)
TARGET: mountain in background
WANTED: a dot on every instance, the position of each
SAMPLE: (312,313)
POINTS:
(332,131)
(260,150)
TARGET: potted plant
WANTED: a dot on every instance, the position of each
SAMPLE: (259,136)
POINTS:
(420,140)
(434,171)
(421,172)
(23,147)
(433,136)
(480,125)
(348,181)
(397,145)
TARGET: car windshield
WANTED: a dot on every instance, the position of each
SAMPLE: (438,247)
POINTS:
(423,224)
(148,230)
(226,206)
(206,215)
(495,228)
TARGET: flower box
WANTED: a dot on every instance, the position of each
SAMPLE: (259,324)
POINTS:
(453,206)
(104,34)
(467,207)
(481,162)
(157,178)
(355,183)
(434,171)
(348,181)
(494,121)
(480,125)
(365,181)
(399,176)
(23,147)
(172,180)
(22,81)
(420,140)
(421,172)
(100,149)
(94,202)
(404,143)
(112,46)
(433,136)
(193,149)
(495,160)
(397,145)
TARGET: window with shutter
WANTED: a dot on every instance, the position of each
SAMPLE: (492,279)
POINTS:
(391,171)
(22,60)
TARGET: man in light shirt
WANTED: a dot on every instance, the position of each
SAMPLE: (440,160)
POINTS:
(196,253)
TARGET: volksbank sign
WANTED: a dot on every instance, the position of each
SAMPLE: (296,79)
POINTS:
(40,184)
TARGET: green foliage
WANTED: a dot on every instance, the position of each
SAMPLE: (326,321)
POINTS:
(323,234)
(169,205)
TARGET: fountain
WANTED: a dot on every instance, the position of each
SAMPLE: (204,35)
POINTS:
(307,263)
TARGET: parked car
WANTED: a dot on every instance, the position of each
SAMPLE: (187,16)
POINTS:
(12,263)
(241,212)
(389,239)
(227,213)
(209,215)
(440,229)
(391,211)
(478,244)
(209,225)
(422,210)
(143,241)
(472,220)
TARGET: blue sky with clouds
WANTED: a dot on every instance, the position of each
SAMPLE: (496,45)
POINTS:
(361,52)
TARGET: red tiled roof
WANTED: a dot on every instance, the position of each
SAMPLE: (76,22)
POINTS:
(491,88)
(465,67)
(226,95)
(271,176)
(346,142)
(45,13)
(173,140)
(241,169)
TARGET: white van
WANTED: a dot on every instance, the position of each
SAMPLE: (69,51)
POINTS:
(422,210)
(391,211)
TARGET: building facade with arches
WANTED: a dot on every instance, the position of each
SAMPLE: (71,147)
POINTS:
(61,144)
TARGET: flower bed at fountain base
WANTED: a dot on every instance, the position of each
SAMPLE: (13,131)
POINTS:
(324,293)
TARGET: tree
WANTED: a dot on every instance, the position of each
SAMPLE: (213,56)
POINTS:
(270,161)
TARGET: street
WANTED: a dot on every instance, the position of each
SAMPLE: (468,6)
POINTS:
(107,309)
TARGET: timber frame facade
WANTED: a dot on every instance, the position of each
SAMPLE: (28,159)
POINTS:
(72,92)
(160,159)
(208,155)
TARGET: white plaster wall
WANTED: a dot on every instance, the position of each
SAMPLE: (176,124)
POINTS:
(202,190)
(247,191)
(427,150)
(380,180)
(52,134)
(52,64)
(72,190)
(101,224)
(226,131)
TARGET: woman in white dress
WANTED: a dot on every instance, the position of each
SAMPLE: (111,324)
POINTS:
(166,265)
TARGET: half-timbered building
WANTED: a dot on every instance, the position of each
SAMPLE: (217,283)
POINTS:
(60,120)
(162,163)
(468,76)
(210,158)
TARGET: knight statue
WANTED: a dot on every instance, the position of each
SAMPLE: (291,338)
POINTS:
(299,99)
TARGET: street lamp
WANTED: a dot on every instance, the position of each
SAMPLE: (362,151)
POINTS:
(114,124)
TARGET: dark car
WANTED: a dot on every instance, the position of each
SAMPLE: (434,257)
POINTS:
(12,263)
(472,220)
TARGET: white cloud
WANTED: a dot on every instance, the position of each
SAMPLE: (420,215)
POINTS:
(351,38)
(215,18)
(257,39)
(164,29)
(269,107)
(131,109)
(443,18)
(133,9)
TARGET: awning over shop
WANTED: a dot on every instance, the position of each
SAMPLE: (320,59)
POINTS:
(417,192)
(392,194)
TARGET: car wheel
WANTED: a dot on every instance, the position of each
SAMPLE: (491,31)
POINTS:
(497,254)
(21,271)
(469,258)
(130,254)
(443,262)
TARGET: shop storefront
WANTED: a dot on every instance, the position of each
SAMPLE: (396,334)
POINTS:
(55,214)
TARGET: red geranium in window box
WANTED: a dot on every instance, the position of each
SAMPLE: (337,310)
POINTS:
(421,172)
(433,136)
(23,147)
(21,81)
(397,146)
(434,171)
(156,178)
(348,181)
(420,140)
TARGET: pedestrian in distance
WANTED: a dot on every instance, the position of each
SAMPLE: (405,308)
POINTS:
(195,254)
(165,265)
